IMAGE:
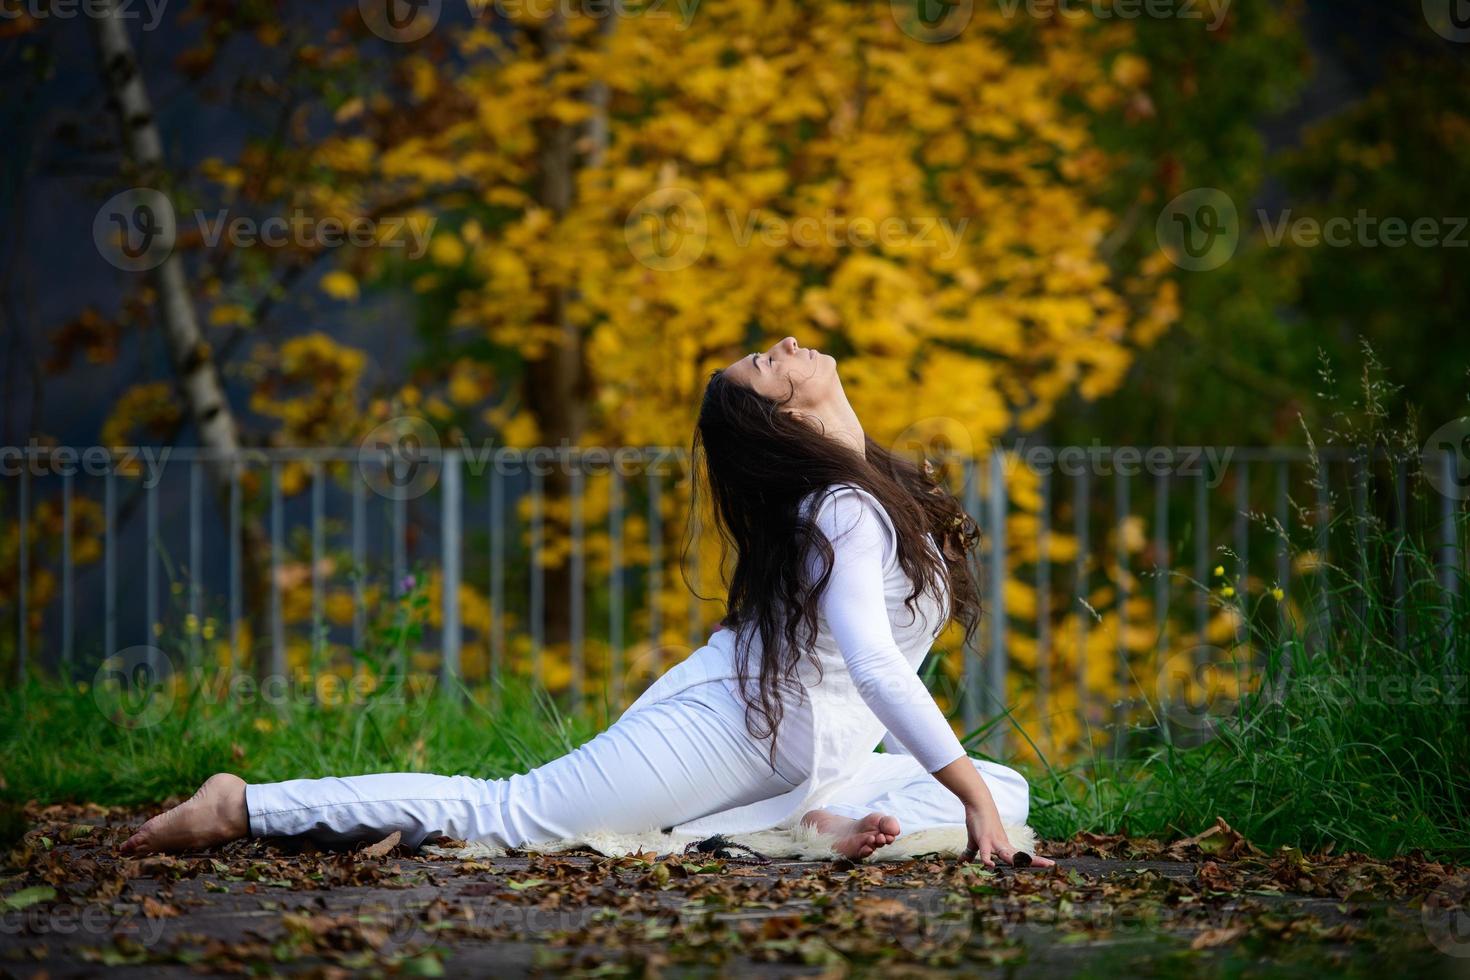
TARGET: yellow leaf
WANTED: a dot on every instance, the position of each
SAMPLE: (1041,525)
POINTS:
(340,285)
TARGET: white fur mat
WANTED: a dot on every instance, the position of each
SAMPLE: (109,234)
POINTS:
(800,843)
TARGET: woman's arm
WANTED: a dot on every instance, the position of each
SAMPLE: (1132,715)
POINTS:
(856,612)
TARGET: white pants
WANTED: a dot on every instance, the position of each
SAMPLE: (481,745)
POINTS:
(672,761)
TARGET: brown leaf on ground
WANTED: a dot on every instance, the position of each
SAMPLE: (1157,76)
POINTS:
(1211,938)
(383,847)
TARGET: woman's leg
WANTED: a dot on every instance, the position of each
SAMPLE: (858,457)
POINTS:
(671,761)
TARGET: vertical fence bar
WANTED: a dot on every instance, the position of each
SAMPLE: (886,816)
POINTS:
(1401,526)
(196,561)
(1449,536)
(1081,499)
(150,575)
(22,609)
(278,621)
(996,682)
(497,569)
(109,559)
(1242,523)
(1123,507)
(1283,545)
(578,589)
(237,625)
(1163,568)
(1322,622)
(359,557)
(655,571)
(694,532)
(538,578)
(1358,492)
(400,543)
(1043,608)
(318,554)
(451,504)
(1201,560)
(973,695)
(1242,544)
(68,571)
(615,584)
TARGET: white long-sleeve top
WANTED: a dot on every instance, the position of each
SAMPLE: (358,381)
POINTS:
(855,684)
(855,610)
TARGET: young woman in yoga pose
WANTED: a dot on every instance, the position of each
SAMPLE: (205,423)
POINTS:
(849,561)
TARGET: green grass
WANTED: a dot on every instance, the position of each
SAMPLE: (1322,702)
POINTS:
(1351,738)
(58,744)
(1355,741)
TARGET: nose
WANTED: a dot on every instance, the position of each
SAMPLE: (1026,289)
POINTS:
(789,345)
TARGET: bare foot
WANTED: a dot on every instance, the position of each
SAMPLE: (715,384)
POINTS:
(213,815)
(856,839)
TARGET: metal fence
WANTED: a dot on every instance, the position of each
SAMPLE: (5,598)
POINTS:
(481,517)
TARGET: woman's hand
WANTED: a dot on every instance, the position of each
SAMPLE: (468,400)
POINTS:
(987,841)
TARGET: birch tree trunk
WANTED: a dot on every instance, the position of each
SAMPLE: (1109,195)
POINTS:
(196,372)
(558,387)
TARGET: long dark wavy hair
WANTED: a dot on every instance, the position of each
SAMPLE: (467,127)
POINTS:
(757,463)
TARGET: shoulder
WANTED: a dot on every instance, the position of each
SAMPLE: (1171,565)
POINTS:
(840,509)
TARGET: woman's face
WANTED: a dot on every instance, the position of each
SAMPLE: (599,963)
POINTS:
(807,375)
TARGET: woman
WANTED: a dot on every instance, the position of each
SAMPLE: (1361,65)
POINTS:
(849,562)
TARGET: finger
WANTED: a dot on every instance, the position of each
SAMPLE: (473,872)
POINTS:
(1037,861)
(985,856)
(1006,853)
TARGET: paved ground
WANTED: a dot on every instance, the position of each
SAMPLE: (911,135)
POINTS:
(1209,906)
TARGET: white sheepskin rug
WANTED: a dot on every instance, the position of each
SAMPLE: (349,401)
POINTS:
(800,843)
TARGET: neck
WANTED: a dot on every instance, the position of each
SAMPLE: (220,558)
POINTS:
(838,421)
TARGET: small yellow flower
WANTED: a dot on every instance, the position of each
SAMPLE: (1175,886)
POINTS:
(1277,594)
(157,629)
(1228,591)
(264,725)
(1219,569)
(208,631)
(191,624)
